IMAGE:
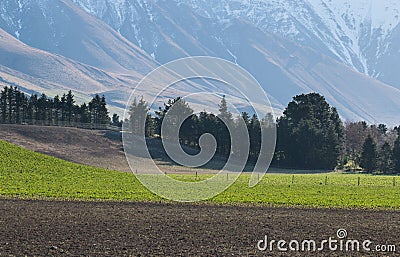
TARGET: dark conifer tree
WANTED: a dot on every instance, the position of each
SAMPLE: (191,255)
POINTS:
(369,155)
(57,109)
(63,104)
(32,108)
(396,155)
(310,133)
(382,129)
(42,105)
(225,121)
(246,118)
(10,104)
(84,114)
(255,137)
(15,107)
(3,105)
(115,121)
(385,159)
(69,107)
(138,115)
(180,117)
(103,111)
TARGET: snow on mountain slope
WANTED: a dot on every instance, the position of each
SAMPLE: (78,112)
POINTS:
(61,27)
(356,32)
(359,33)
(383,14)
(291,47)
(239,31)
(362,25)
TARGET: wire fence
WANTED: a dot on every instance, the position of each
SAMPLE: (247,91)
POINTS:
(306,179)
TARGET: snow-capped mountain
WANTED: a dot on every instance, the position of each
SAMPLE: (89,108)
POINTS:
(337,48)
(359,33)
(63,28)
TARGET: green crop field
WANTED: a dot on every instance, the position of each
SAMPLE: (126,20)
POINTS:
(26,174)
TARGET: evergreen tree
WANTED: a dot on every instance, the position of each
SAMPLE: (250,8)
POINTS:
(382,129)
(340,136)
(160,114)
(98,111)
(385,159)
(57,109)
(3,105)
(138,115)
(33,108)
(207,123)
(181,118)
(150,126)
(24,111)
(94,108)
(225,121)
(246,118)
(15,107)
(69,106)
(396,155)
(103,111)
(180,110)
(397,129)
(369,155)
(254,129)
(224,114)
(115,120)
(63,104)
(84,114)
(310,133)
(42,105)
(11,104)
(19,102)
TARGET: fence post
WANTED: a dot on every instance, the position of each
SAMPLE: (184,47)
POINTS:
(292,179)
(326,180)
(394,181)
(359,181)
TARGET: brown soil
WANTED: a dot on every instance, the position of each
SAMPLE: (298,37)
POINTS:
(52,228)
(41,228)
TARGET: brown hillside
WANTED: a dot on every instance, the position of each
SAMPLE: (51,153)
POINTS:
(97,148)
(89,147)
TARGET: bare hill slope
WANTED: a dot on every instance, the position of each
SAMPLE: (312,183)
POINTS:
(97,148)
(90,147)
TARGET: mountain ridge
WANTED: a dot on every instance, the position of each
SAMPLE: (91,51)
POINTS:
(153,32)
(231,45)
(356,32)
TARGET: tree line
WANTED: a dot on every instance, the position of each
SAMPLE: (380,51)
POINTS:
(374,148)
(17,108)
(310,134)
(193,126)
